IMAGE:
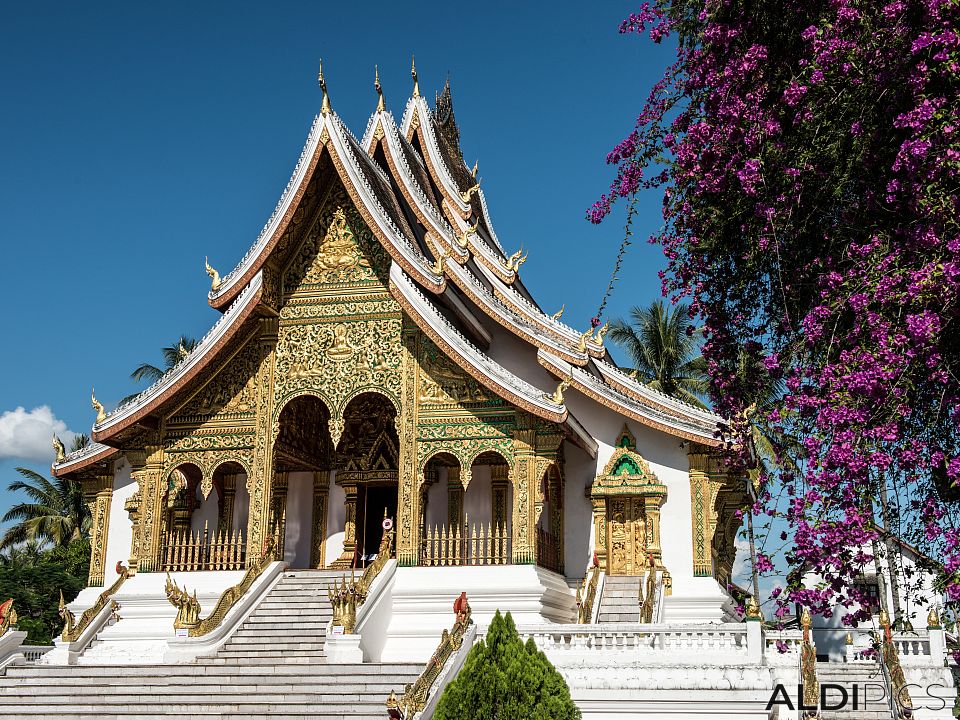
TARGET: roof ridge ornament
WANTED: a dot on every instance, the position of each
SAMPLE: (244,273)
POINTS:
(98,406)
(325,104)
(215,280)
(437,267)
(376,84)
(559,313)
(582,345)
(473,172)
(601,332)
(471,191)
(59,449)
(413,73)
(463,241)
(515,261)
(557,397)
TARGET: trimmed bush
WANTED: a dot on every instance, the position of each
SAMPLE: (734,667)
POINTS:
(505,679)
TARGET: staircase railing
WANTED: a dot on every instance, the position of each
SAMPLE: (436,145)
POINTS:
(587,595)
(808,668)
(901,703)
(348,596)
(418,693)
(73,628)
(188,607)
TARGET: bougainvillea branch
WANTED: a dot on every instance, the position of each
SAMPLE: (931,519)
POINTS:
(809,156)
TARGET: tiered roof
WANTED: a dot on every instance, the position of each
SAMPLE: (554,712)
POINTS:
(410,184)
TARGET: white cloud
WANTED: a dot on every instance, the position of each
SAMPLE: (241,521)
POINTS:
(28,435)
(741,563)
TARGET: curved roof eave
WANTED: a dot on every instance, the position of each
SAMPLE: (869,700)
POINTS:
(83,458)
(686,428)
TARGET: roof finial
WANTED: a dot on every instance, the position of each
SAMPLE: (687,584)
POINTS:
(413,72)
(325,105)
(376,84)
(98,406)
(214,275)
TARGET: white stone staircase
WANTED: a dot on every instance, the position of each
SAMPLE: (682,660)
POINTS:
(870,684)
(620,599)
(272,667)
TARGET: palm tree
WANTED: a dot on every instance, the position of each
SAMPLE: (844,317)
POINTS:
(56,512)
(171,356)
(26,554)
(661,346)
(79,442)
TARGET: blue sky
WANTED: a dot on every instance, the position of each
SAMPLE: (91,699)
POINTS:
(138,138)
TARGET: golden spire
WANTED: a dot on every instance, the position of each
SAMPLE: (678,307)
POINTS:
(376,83)
(413,72)
(325,105)
(214,275)
(98,406)
(59,449)
(933,620)
(559,313)
(806,620)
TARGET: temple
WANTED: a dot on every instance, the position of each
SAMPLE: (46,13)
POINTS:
(384,410)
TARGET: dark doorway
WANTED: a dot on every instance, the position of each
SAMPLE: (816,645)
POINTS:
(377,502)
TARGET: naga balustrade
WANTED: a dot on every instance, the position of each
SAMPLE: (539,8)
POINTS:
(639,639)
(186,551)
(466,544)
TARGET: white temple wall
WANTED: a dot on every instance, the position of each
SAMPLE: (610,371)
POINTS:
(206,513)
(478,500)
(578,541)
(241,505)
(120,534)
(299,522)
(517,356)
(336,519)
(436,510)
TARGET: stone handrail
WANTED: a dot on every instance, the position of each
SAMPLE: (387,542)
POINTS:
(72,628)
(711,644)
(417,694)
(32,653)
(348,596)
(188,609)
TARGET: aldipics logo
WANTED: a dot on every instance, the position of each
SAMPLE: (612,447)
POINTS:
(834,696)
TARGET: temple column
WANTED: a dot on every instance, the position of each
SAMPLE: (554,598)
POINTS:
(704,522)
(651,512)
(318,540)
(454,498)
(499,477)
(147,469)
(278,510)
(225,523)
(524,477)
(600,530)
(346,559)
(261,471)
(409,523)
(99,499)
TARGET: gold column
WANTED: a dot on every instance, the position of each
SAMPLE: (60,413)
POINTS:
(454,497)
(703,522)
(318,541)
(151,488)
(226,504)
(499,477)
(651,511)
(600,530)
(408,490)
(345,560)
(524,472)
(99,499)
(261,470)
(278,509)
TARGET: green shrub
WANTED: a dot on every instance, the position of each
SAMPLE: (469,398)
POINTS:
(505,679)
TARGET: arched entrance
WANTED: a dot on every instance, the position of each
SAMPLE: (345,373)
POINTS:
(366,462)
(302,459)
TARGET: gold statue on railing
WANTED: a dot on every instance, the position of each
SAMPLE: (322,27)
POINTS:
(188,607)
(416,694)
(69,620)
(8,616)
(891,659)
(808,667)
(347,597)
(587,593)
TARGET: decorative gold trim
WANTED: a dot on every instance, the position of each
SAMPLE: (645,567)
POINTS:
(587,595)
(8,615)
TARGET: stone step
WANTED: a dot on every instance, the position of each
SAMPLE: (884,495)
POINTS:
(129,673)
(293,683)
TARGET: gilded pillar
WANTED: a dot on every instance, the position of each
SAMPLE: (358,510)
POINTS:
(278,509)
(225,523)
(600,529)
(261,470)
(524,477)
(454,498)
(651,511)
(152,490)
(318,540)
(345,561)
(499,477)
(409,481)
(99,499)
(701,501)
